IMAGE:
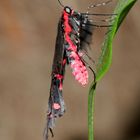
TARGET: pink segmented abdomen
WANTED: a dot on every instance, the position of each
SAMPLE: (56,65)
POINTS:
(78,69)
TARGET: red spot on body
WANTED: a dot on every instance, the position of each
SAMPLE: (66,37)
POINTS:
(59,76)
(56,106)
(60,86)
(64,62)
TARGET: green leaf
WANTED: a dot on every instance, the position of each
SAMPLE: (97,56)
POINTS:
(105,58)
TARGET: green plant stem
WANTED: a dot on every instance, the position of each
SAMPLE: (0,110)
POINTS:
(91,102)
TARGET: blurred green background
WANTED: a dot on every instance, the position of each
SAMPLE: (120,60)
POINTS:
(27,40)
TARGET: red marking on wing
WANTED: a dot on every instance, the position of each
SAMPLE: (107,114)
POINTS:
(64,62)
(56,106)
(60,78)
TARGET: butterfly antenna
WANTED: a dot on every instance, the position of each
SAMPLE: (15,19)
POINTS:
(61,3)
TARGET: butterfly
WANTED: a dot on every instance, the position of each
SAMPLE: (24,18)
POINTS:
(74,34)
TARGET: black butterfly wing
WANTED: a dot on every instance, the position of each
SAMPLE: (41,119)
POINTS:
(86,32)
(56,107)
(57,66)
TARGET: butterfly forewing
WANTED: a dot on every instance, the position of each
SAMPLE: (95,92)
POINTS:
(56,106)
